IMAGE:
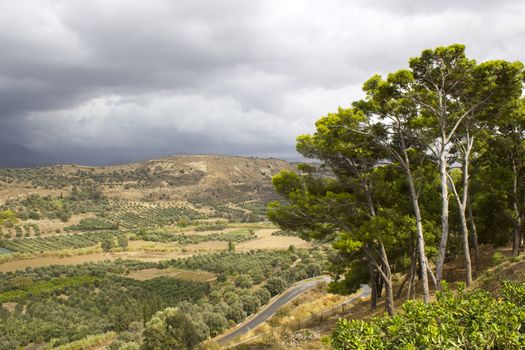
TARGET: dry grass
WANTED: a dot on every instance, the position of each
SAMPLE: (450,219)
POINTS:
(41,261)
(273,242)
(310,303)
(48,227)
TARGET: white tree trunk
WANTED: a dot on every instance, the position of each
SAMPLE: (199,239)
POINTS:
(443,172)
(419,227)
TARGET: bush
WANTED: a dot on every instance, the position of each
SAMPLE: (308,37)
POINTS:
(243,281)
(236,313)
(313,270)
(250,303)
(107,244)
(468,320)
(263,295)
(215,322)
(170,329)
(275,285)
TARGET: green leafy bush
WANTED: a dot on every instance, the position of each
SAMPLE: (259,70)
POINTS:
(469,320)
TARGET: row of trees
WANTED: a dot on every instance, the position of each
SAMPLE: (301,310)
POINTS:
(438,145)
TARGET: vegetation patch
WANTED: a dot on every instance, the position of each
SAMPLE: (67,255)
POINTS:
(186,275)
(472,319)
(40,244)
(42,287)
(92,224)
(240,235)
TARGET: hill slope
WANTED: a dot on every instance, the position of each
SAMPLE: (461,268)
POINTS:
(14,155)
(202,180)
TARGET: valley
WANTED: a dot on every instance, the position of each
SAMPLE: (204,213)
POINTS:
(128,241)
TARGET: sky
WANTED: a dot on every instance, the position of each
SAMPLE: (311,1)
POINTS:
(104,81)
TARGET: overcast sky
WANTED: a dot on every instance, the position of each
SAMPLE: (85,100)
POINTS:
(106,80)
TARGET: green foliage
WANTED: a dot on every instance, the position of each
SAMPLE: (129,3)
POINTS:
(159,235)
(69,303)
(156,216)
(231,246)
(211,227)
(8,216)
(107,244)
(243,281)
(91,299)
(170,329)
(60,242)
(275,285)
(45,287)
(92,224)
(468,320)
(86,343)
(263,295)
(498,258)
(87,199)
(123,241)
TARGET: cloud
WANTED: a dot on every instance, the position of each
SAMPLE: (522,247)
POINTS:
(97,80)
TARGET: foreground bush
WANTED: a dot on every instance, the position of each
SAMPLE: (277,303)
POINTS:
(468,320)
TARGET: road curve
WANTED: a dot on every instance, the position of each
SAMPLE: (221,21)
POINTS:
(290,294)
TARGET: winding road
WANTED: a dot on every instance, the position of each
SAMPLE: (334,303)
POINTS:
(290,294)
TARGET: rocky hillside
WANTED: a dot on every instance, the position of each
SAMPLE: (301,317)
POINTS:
(195,179)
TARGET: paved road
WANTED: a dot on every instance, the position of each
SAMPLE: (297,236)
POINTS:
(282,300)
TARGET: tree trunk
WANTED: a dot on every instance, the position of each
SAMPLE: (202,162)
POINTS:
(466,248)
(462,203)
(402,285)
(474,234)
(389,290)
(432,277)
(443,172)
(373,286)
(463,207)
(411,294)
(517,215)
(419,227)
(409,277)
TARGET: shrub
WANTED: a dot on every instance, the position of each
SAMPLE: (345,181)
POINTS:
(263,295)
(107,244)
(123,241)
(275,285)
(236,313)
(170,329)
(250,303)
(468,320)
(243,281)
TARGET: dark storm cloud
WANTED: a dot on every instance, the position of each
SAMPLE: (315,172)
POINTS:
(101,80)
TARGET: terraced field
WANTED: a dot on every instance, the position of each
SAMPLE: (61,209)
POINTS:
(156,217)
(59,242)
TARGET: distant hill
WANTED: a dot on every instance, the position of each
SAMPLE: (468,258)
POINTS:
(17,156)
(199,180)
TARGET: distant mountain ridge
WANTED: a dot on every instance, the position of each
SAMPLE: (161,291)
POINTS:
(17,156)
